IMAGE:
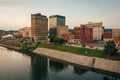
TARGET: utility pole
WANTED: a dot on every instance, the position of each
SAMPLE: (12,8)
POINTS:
(83,36)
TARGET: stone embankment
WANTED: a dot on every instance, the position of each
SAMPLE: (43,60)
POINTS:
(92,62)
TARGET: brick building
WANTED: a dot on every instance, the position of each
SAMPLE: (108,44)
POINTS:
(116,36)
(107,35)
(77,34)
(83,34)
(69,38)
(116,33)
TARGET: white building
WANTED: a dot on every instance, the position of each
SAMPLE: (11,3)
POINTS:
(7,36)
(98,30)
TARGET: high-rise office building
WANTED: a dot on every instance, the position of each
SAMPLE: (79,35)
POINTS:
(39,27)
(56,21)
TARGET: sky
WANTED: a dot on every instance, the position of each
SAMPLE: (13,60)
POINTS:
(16,14)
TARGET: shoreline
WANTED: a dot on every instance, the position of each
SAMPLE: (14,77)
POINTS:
(11,47)
(80,60)
(91,62)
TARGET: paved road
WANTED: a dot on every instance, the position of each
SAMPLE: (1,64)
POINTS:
(88,46)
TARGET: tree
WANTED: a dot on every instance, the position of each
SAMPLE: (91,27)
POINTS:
(51,39)
(61,41)
(110,48)
(56,40)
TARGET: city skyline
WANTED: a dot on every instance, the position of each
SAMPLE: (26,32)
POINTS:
(15,14)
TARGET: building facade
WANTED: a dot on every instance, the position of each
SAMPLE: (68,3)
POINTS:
(62,30)
(77,39)
(116,34)
(107,34)
(98,30)
(56,21)
(39,27)
(25,32)
(69,38)
(83,34)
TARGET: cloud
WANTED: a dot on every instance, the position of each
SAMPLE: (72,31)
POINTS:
(11,3)
(17,12)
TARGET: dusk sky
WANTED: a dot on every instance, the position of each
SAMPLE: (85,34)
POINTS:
(15,14)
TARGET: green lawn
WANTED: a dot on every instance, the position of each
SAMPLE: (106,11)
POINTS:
(72,49)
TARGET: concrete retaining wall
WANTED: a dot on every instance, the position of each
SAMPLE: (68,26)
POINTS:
(98,63)
(108,65)
(65,56)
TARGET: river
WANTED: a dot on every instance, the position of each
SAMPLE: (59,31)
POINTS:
(19,66)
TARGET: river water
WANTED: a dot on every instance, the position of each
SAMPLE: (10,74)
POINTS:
(18,66)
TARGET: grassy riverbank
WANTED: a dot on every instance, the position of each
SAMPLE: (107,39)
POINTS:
(72,49)
(79,51)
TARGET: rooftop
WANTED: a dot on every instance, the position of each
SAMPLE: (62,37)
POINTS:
(56,16)
(38,14)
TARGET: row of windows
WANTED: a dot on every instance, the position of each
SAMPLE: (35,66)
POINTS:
(41,38)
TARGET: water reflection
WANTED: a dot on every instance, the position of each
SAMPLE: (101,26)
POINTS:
(39,67)
(109,78)
(18,66)
(57,66)
(79,70)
